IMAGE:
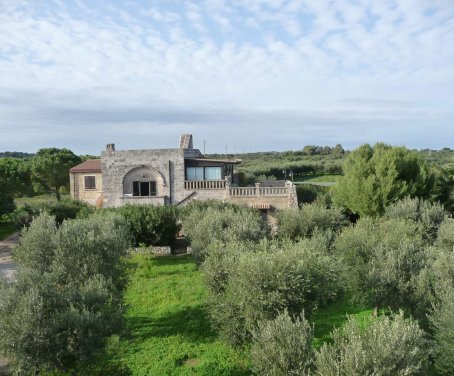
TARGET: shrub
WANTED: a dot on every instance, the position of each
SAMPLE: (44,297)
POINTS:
(67,297)
(302,223)
(64,209)
(150,224)
(6,202)
(282,347)
(389,346)
(210,225)
(430,215)
(442,321)
(381,259)
(445,239)
(293,276)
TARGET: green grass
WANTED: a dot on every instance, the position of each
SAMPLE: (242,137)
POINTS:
(334,316)
(6,229)
(37,200)
(167,325)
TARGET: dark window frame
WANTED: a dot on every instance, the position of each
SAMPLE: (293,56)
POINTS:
(140,187)
(89,182)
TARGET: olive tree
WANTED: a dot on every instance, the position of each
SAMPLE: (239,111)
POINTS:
(282,346)
(388,346)
(67,297)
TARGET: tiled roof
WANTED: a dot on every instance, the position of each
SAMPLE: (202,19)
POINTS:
(90,165)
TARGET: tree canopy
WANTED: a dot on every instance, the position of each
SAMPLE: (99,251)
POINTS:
(377,176)
(50,167)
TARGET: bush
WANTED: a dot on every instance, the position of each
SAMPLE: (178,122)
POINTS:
(429,215)
(308,194)
(222,224)
(282,347)
(64,209)
(381,260)
(6,202)
(389,346)
(293,276)
(150,224)
(445,239)
(302,223)
(67,297)
(442,321)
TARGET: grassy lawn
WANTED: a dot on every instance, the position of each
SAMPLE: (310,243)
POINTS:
(6,229)
(36,200)
(318,178)
(169,331)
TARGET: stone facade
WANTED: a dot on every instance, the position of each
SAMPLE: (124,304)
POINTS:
(160,177)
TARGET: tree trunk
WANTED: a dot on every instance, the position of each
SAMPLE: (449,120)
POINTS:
(57,193)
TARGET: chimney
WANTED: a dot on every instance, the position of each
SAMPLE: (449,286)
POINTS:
(110,147)
(186,141)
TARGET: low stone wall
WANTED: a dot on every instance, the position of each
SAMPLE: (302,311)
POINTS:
(163,250)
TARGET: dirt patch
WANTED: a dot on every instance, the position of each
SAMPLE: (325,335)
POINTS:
(7,266)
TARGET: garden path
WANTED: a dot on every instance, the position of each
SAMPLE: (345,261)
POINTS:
(7,270)
(7,266)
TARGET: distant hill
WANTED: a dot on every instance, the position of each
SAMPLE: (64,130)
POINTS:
(15,154)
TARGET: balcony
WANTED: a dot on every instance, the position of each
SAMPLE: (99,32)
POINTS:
(204,184)
(258,191)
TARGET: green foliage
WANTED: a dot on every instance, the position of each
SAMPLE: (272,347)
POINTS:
(442,321)
(6,202)
(388,346)
(376,176)
(167,326)
(50,168)
(221,223)
(67,297)
(381,260)
(15,176)
(257,285)
(150,224)
(301,223)
(307,194)
(282,346)
(429,215)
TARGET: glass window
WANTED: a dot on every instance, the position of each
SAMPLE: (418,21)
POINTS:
(90,182)
(213,173)
(194,173)
(144,188)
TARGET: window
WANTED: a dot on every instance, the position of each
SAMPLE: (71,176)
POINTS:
(144,188)
(194,173)
(203,173)
(213,173)
(90,182)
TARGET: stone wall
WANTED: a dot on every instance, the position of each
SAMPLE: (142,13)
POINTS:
(167,166)
(77,187)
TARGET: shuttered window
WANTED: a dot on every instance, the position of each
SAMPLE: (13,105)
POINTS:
(90,182)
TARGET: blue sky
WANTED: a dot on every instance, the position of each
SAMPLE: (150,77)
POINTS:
(249,75)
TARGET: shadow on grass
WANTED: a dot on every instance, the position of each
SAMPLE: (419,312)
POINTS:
(326,319)
(191,323)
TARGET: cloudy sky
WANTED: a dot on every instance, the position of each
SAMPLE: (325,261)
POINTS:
(246,74)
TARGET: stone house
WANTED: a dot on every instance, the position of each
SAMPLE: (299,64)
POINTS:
(170,177)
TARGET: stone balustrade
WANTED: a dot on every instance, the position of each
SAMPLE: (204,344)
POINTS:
(204,184)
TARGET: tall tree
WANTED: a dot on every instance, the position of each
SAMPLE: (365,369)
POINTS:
(50,168)
(377,176)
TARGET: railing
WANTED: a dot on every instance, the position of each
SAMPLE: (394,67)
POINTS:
(273,191)
(257,191)
(204,184)
(242,191)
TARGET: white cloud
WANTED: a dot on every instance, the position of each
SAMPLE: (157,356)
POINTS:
(302,57)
